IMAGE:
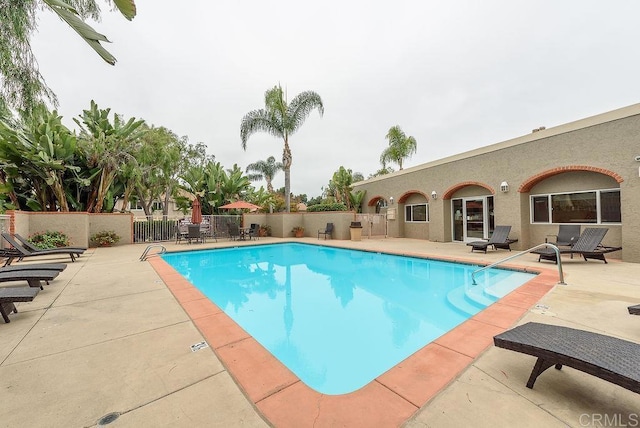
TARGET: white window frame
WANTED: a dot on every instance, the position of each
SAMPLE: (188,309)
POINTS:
(549,203)
(426,205)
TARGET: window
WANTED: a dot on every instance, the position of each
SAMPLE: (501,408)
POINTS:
(417,213)
(136,205)
(595,206)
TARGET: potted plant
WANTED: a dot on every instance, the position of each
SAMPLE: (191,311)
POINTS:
(298,231)
(265,230)
(105,238)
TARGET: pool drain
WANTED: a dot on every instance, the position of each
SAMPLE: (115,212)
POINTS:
(108,418)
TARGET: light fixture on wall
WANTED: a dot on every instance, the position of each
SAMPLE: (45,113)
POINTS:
(434,195)
(504,187)
(390,200)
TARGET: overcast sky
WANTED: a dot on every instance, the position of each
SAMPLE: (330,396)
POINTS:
(455,75)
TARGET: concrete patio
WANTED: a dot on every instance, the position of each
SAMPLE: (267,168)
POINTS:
(108,336)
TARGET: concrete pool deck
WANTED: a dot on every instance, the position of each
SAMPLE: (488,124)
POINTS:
(113,334)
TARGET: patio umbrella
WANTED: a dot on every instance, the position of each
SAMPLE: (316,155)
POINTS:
(196,212)
(239,205)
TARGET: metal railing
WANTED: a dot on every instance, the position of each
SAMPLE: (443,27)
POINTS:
(545,245)
(154,229)
(145,255)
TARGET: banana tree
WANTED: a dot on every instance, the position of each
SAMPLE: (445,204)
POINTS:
(106,146)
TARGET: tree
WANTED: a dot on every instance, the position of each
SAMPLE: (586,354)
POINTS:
(264,170)
(281,119)
(400,147)
(23,87)
(106,147)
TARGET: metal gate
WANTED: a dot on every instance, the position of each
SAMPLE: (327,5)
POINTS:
(373,225)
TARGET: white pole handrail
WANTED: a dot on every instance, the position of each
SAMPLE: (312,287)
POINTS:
(545,245)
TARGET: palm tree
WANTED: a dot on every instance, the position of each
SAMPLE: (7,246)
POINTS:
(264,170)
(23,86)
(400,147)
(281,119)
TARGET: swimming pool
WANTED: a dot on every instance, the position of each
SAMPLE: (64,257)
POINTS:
(339,318)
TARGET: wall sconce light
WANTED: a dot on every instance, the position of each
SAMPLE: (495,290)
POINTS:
(504,187)
(390,200)
(434,195)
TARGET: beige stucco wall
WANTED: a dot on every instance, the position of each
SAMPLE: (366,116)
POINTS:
(78,226)
(606,142)
(282,223)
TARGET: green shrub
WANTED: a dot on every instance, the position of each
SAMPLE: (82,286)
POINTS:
(105,238)
(49,239)
(335,206)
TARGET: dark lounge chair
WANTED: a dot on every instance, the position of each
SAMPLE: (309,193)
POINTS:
(34,266)
(634,310)
(589,245)
(28,245)
(21,252)
(609,358)
(499,239)
(33,277)
(328,231)
(10,295)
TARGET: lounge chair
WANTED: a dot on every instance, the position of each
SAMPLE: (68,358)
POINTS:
(634,310)
(30,246)
(34,266)
(23,252)
(499,239)
(589,245)
(328,231)
(10,295)
(33,277)
(609,358)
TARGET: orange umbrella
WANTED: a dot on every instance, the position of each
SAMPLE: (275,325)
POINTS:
(239,205)
(196,212)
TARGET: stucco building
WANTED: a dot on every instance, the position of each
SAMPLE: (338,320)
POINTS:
(585,172)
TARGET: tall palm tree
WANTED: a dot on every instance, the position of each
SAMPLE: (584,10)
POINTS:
(264,170)
(400,147)
(281,119)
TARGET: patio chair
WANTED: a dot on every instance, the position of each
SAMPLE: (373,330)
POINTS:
(328,231)
(567,235)
(182,232)
(234,231)
(254,231)
(22,252)
(499,239)
(10,295)
(33,277)
(194,234)
(609,358)
(634,310)
(589,245)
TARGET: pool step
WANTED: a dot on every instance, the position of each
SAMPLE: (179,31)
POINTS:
(501,288)
(458,300)
(476,293)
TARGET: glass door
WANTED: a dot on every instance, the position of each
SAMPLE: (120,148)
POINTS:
(474,215)
(472,218)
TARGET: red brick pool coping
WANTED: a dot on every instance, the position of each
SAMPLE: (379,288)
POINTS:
(387,401)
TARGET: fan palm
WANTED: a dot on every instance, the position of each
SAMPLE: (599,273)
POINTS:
(400,147)
(264,170)
(281,119)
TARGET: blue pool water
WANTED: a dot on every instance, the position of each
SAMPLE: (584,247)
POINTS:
(339,318)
